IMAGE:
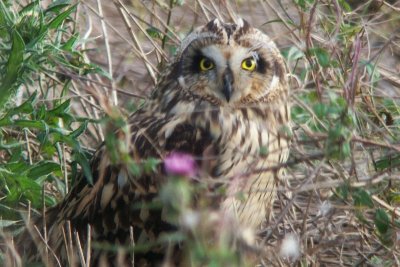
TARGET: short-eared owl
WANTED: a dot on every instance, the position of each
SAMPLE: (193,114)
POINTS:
(224,100)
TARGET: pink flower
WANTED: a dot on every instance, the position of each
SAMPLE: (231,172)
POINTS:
(178,163)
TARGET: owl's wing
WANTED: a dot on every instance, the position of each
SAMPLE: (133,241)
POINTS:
(119,206)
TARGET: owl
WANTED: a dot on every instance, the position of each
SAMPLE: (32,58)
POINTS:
(224,101)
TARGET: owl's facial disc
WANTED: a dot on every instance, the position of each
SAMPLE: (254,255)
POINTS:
(227,73)
(230,64)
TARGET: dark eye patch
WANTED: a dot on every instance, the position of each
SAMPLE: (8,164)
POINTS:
(262,65)
(195,64)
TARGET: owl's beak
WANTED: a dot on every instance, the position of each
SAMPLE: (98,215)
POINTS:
(227,89)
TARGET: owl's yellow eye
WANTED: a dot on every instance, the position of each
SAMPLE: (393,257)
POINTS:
(249,64)
(206,64)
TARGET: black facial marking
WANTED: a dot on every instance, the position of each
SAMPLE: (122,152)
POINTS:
(242,30)
(228,84)
(195,66)
(246,26)
(212,26)
(229,29)
(262,65)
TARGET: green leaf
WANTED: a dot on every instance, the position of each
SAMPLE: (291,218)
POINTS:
(6,223)
(50,201)
(56,22)
(41,125)
(343,191)
(43,168)
(382,221)
(56,6)
(387,162)
(362,199)
(395,198)
(26,107)
(61,109)
(81,159)
(68,45)
(28,8)
(5,16)
(150,165)
(320,109)
(378,261)
(16,167)
(372,71)
(322,56)
(303,3)
(345,150)
(75,134)
(41,112)
(293,54)
(345,5)
(31,190)
(179,2)
(53,24)
(154,33)
(134,168)
(13,67)
(5,171)
(10,145)
(6,121)
(264,151)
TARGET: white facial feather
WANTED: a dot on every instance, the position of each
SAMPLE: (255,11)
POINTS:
(214,53)
(274,83)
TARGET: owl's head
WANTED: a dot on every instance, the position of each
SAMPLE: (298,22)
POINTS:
(230,64)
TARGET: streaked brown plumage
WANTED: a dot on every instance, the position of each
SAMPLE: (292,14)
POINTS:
(223,100)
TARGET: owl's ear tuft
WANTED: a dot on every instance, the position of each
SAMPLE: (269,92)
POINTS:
(213,26)
(243,26)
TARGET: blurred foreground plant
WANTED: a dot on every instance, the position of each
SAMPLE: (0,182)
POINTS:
(38,133)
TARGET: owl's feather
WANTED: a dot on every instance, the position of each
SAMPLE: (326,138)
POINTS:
(190,112)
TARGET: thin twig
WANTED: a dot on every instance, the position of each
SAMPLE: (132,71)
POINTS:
(114,95)
(122,10)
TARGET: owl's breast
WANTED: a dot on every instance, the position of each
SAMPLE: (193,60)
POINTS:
(242,139)
(249,147)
